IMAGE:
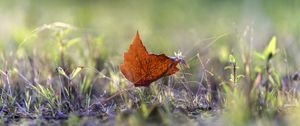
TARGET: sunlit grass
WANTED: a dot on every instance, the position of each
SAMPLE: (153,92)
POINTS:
(58,73)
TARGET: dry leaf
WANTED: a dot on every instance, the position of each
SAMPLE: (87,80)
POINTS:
(142,68)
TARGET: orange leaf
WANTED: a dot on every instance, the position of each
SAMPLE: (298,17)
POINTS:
(142,68)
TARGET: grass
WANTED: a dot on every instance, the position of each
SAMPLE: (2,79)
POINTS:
(73,95)
(242,71)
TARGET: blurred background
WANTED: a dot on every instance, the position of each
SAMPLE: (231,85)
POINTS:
(38,36)
(214,28)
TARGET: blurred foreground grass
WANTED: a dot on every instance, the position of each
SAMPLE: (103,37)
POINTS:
(59,60)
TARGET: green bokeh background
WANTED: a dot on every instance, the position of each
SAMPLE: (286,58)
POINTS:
(165,26)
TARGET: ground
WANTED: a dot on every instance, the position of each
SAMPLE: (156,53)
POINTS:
(59,62)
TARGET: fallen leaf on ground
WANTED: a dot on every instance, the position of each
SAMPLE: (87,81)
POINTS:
(142,68)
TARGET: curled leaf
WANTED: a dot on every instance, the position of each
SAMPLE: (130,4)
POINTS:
(62,72)
(75,72)
(270,50)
